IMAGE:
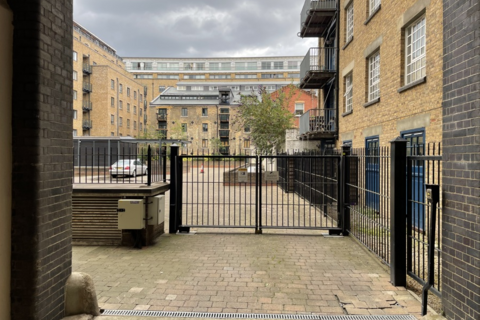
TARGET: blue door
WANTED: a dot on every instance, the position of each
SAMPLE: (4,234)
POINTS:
(416,147)
(372,174)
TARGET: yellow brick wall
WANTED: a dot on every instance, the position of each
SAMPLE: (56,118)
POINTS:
(105,67)
(418,106)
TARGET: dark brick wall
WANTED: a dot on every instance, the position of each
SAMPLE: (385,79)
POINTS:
(42,157)
(461,170)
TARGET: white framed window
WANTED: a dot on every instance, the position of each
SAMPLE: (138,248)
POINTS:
(251,88)
(112,119)
(74,94)
(74,114)
(134,109)
(374,76)
(184,112)
(112,84)
(140,125)
(181,88)
(373,6)
(112,102)
(120,105)
(271,88)
(75,75)
(194,76)
(75,56)
(299,108)
(120,88)
(234,87)
(245,76)
(134,125)
(128,107)
(128,123)
(220,76)
(128,92)
(120,122)
(168,76)
(349,92)
(213,88)
(197,88)
(349,24)
(293,65)
(204,112)
(415,51)
(74,132)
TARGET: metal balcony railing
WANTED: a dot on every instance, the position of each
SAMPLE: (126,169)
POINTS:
(87,124)
(161,117)
(318,67)
(224,133)
(224,150)
(86,106)
(318,121)
(87,87)
(224,117)
(316,17)
(87,68)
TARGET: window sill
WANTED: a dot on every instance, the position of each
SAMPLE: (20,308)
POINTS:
(371,103)
(346,44)
(411,85)
(347,113)
(372,15)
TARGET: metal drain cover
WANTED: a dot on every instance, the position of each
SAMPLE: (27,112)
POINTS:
(177,314)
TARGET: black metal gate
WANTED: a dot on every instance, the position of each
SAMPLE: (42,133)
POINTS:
(258,192)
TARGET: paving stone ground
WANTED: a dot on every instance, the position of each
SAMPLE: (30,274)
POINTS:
(244,273)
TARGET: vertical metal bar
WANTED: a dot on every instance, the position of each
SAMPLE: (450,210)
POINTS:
(258,196)
(398,270)
(149,167)
(173,188)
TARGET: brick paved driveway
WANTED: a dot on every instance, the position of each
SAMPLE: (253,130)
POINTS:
(244,273)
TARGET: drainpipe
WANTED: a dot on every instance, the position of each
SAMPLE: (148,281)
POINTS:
(118,108)
(337,80)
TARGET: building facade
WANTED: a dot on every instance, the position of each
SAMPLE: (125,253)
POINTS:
(107,101)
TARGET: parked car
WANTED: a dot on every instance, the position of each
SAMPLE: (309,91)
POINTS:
(128,167)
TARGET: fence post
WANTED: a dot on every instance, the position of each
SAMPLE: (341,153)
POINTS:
(343,196)
(398,212)
(163,156)
(173,189)
(149,166)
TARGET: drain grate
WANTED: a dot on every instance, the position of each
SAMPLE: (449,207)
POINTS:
(175,314)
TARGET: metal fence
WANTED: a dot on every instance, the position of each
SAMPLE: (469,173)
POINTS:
(100,164)
(318,120)
(318,60)
(368,188)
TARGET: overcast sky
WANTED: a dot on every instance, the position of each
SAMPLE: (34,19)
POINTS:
(196,28)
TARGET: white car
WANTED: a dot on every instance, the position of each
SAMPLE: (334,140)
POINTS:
(128,167)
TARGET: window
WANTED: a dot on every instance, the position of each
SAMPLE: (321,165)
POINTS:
(112,84)
(140,125)
(120,88)
(272,75)
(246,143)
(120,122)
(140,111)
(294,75)
(415,51)
(272,65)
(271,88)
(128,92)
(374,5)
(245,66)
(134,125)
(134,109)
(184,127)
(120,105)
(112,102)
(128,107)
(299,108)
(247,129)
(74,132)
(220,76)
(251,88)
(181,88)
(348,93)
(204,127)
(140,98)
(292,64)
(246,76)
(220,66)
(194,76)
(168,76)
(204,143)
(75,75)
(347,143)
(213,88)
(234,87)
(74,114)
(112,134)
(128,123)
(74,94)
(197,88)
(134,95)
(204,112)
(143,76)
(112,119)
(184,112)
(349,24)
(374,77)
(75,56)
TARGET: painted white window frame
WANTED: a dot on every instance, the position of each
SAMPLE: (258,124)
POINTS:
(299,108)
(374,76)
(373,6)
(349,92)
(349,24)
(75,75)
(415,50)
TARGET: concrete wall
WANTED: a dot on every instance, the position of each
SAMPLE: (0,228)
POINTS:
(293,144)
(461,164)
(42,157)
(6,39)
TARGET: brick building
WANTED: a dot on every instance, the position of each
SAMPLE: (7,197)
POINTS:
(107,101)
(300,102)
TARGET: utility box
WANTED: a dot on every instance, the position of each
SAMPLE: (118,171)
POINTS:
(156,210)
(131,213)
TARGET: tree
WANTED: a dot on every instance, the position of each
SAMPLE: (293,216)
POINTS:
(151,133)
(267,117)
(177,132)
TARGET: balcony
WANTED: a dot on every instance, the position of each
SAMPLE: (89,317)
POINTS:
(87,68)
(87,124)
(87,87)
(224,150)
(161,117)
(318,67)
(163,132)
(87,106)
(224,117)
(224,133)
(316,17)
(318,123)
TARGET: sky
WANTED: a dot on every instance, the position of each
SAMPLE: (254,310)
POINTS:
(196,28)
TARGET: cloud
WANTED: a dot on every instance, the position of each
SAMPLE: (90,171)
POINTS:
(195,28)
